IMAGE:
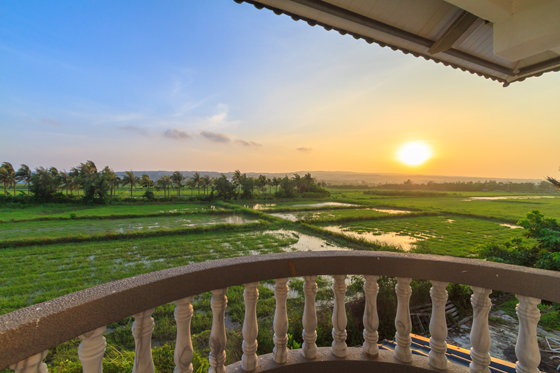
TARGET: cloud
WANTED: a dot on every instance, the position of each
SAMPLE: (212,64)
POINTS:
(50,121)
(176,134)
(305,150)
(134,129)
(220,119)
(215,136)
(247,143)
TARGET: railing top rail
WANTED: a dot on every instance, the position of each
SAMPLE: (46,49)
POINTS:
(34,329)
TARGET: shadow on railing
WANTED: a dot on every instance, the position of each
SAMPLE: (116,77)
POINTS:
(27,334)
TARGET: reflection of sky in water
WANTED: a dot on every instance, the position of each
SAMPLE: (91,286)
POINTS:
(506,197)
(391,238)
(305,242)
(512,226)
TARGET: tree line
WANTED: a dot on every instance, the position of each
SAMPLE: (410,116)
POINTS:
(470,186)
(50,184)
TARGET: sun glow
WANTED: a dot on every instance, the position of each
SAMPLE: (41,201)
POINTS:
(414,153)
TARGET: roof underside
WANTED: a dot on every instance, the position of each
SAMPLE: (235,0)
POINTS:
(433,29)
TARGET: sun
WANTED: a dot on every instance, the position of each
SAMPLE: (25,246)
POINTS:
(414,153)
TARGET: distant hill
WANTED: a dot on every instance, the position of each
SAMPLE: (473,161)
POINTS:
(343,177)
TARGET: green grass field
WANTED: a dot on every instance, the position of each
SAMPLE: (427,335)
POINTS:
(448,224)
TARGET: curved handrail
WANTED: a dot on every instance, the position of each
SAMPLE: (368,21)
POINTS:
(42,326)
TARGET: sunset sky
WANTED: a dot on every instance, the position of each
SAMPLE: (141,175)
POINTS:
(217,86)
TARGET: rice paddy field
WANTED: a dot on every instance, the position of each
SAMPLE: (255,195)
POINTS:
(112,242)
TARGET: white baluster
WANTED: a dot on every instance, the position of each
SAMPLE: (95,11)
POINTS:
(309,347)
(250,328)
(142,329)
(402,320)
(91,350)
(218,338)
(371,319)
(281,322)
(480,333)
(527,347)
(183,347)
(33,364)
(339,347)
(438,325)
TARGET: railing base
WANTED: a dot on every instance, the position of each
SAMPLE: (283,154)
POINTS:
(356,362)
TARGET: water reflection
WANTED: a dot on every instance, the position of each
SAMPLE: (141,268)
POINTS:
(390,238)
(506,197)
(305,242)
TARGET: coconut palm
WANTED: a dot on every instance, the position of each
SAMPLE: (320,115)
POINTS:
(237,178)
(130,179)
(8,176)
(196,181)
(554,182)
(164,183)
(276,181)
(177,178)
(24,174)
(146,182)
(206,182)
(65,181)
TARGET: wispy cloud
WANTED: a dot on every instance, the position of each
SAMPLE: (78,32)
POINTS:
(53,122)
(215,136)
(220,119)
(133,129)
(247,143)
(304,150)
(176,134)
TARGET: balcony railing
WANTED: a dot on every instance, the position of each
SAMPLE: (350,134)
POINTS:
(27,334)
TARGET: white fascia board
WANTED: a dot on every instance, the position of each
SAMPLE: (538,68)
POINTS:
(490,10)
(534,29)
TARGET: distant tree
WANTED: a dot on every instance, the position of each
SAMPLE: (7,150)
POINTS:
(65,181)
(261,182)
(146,182)
(177,178)
(130,179)
(24,174)
(164,183)
(276,182)
(206,182)
(237,178)
(44,184)
(247,186)
(225,190)
(196,181)
(8,176)
(554,182)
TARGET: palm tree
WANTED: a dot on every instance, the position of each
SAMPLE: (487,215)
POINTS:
(276,181)
(237,178)
(177,178)
(164,183)
(261,182)
(65,181)
(196,181)
(8,176)
(554,182)
(24,174)
(130,179)
(74,174)
(206,182)
(146,182)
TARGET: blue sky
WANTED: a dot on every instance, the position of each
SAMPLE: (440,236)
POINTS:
(214,85)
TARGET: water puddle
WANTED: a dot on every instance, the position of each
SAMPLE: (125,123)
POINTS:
(262,206)
(290,217)
(323,204)
(506,197)
(388,211)
(305,242)
(512,226)
(391,238)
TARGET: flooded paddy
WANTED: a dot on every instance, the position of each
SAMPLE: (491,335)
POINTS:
(73,227)
(493,198)
(273,206)
(330,215)
(390,238)
(304,242)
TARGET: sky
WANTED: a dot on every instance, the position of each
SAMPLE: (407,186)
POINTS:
(212,85)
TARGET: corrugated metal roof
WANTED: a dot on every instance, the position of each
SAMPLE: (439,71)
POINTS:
(412,27)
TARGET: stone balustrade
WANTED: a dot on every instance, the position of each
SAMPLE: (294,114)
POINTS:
(27,334)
